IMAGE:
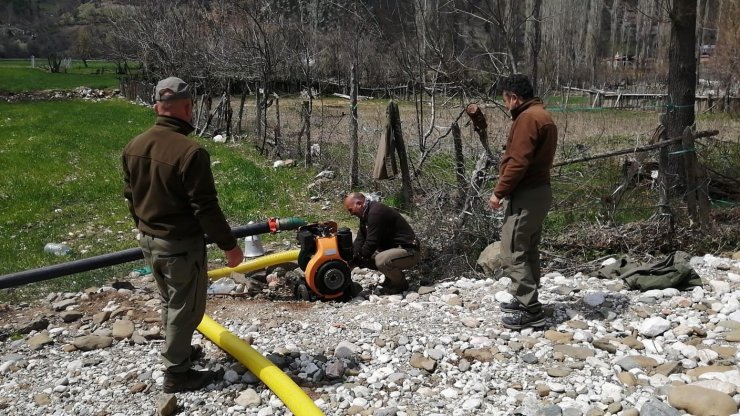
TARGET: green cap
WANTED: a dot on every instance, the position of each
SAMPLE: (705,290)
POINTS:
(171,88)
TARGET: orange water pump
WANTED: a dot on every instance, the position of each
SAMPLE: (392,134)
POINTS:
(324,256)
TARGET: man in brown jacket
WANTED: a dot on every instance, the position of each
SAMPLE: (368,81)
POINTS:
(384,242)
(524,191)
(172,198)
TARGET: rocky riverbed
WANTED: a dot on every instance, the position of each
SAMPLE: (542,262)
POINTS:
(437,350)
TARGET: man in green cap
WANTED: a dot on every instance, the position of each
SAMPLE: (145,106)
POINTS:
(172,198)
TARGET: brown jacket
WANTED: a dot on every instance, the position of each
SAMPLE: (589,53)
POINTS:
(169,185)
(530,149)
(381,228)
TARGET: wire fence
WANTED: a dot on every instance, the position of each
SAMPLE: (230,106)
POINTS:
(603,194)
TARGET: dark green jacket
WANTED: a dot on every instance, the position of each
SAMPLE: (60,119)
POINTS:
(381,228)
(169,185)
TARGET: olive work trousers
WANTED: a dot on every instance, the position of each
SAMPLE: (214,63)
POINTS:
(179,268)
(391,263)
(525,211)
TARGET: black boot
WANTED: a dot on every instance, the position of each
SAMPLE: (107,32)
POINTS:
(196,352)
(524,319)
(189,380)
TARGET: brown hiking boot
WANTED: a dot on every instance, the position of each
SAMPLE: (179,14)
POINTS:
(188,381)
(392,289)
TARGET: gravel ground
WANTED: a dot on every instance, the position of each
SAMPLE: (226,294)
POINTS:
(437,350)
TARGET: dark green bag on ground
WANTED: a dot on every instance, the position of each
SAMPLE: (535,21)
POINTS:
(673,271)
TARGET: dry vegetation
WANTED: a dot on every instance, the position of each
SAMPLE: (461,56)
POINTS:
(578,230)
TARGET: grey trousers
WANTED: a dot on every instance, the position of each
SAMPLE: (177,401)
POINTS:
(391,263)
(179,268)
(525,211)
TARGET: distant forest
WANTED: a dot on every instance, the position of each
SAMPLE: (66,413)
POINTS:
(289,44)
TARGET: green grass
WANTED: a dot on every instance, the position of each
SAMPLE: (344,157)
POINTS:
(18,76)
(62,182)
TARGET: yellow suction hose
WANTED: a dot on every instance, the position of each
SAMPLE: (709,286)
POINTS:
(256,264)
(283,386)
(294,398)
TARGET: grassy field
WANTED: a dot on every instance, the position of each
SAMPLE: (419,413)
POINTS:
(18,76)
(60,162)
(62,183)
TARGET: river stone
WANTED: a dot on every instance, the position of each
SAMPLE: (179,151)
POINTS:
(70,316)
(101,317)
(655,407)
(92,342)
(654,326)
(732,336)
(668,368)
(695,373)
(558,337)
(558,372)
(122,329)
(580,353)
(627,378)
(724,352)
(717,385)
(605,345)
(248,398)
(37,324)
(64,304)
(42,399)
(38,341)
(137,388)
(346,349)
(419,361)
(633,343)
(729,324)
(478,354)
(166,404)
(700,401)
(636,361)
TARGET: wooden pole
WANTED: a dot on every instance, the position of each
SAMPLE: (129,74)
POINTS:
(659,145)
(394,118)
(697,201)
(459,164)
(353,126)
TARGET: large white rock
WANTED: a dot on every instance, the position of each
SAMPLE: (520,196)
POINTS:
(654,326)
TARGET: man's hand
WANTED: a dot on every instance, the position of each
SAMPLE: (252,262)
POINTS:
(494,202)
(234,257)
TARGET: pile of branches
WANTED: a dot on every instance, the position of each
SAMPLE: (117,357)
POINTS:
(582,243)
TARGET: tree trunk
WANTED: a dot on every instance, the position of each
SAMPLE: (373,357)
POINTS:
(681,88)
(278,133)
(258,115)
(535,43)
(354,143)
(242,101)
(306,110)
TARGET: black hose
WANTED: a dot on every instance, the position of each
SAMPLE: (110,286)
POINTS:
(125,256)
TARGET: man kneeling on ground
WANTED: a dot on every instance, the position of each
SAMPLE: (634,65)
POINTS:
(385,241)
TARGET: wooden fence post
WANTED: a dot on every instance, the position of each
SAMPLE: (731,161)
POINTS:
(697,201)
(394,118)
(459,164)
